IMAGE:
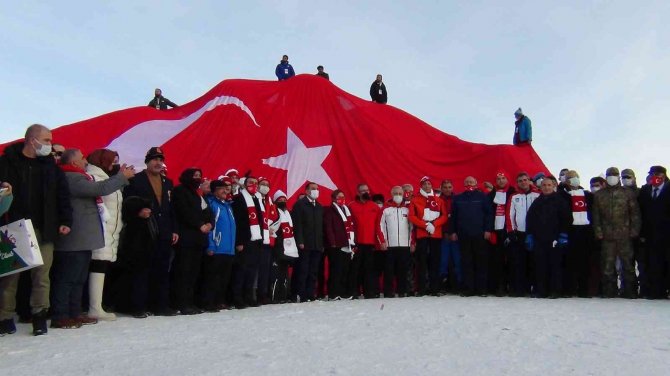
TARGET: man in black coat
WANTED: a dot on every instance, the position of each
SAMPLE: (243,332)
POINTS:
(471,224)
(151,185)
(160,102)
(42,195)
(378,91)
(250,230)
(547,225)
(307,217)
(654,202)
(499,267)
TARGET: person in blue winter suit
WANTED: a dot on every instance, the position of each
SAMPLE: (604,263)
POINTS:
(523,130)
(220,252)
(284,70)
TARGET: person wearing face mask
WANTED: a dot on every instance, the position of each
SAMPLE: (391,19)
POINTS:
(520,258)
(251,230)
(499,256)
(365,214)
(616,222)
(597,183)
(654,202)
(103,164)
(628,180)
(408,193)
(285,250)
(537,179)
(41,194)
(307,215)
(581,246)
(234,175)
(398,241)
(563,180)
(640,254)
(72,254)
(151,184)
(547,224)
(428,215)
(471,224)
(220,253)
(338,231)
(194,219)
(265,263)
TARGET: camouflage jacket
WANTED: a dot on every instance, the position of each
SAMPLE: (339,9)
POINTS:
(616,214)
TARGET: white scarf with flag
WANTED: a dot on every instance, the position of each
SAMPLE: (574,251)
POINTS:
(432,210)
(348,225)
(500,200)
(286,227)
(579,208)
(254,224)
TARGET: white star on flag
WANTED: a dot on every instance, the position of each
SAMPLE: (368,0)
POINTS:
(302,164)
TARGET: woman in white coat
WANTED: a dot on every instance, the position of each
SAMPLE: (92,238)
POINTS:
(102,164)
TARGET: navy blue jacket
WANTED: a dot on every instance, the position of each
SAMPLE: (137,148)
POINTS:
(548,216)
(163,212)
(471,214)
(284,71)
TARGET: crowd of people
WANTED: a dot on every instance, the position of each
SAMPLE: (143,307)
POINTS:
(145,247)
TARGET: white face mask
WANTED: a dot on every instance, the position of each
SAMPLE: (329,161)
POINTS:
(595,189)
(264,189)
(612,180)
(628,182)
(43,150)
(538,183)
(314,194)
(574,182)
(398,199)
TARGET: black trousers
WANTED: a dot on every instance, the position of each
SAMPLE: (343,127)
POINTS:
(130,290)
(498,264)
(305,274)
(659,270)
(70,272)
(338,272)
(370,270)
(187,264)
(280,286)
(519,266)
(548,269)
(395,270)
(577,268)
(265,262)
(474,261)
(217,270)
(159,277)
(355,278)
(641,254)
(247,262)
(428,255)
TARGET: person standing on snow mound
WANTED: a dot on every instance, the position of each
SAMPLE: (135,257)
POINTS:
(378,91)
(160,102)
(284,70)
(321,73)
(523,131)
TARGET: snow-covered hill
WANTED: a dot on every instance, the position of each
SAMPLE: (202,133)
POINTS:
(412,336)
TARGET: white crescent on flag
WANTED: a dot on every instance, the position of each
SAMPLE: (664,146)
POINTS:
(134,142)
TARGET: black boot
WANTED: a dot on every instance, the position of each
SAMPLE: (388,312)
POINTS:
(40,323)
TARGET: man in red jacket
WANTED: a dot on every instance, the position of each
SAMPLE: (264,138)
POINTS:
(428,215)
(365,214)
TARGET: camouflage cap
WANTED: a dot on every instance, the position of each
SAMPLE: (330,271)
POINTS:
(627,172)
(612,171)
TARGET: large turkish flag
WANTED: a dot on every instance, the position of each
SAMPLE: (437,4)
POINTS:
(294,131)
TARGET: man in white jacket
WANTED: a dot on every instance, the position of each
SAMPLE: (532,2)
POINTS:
(518,208)
(398,242)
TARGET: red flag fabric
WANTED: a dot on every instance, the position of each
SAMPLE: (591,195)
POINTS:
(294,131)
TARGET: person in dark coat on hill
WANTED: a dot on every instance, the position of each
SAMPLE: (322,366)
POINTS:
(151,185)
(471,224)
(378,92)
(195,221)
(137,243)
(160,102)
(321,73)
(284,70)
(547,225)
(307,217)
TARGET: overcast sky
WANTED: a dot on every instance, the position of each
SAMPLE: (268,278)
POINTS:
(592,75)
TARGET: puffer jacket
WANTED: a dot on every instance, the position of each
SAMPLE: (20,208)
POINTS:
(112,227)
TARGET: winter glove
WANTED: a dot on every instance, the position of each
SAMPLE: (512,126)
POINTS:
(512,236)
(562,239)
(430,228)
(530,242)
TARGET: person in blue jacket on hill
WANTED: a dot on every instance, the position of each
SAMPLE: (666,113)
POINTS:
(523,131)
(284,70)
(220,253)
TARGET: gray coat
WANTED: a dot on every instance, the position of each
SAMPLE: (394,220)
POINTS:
(86,232)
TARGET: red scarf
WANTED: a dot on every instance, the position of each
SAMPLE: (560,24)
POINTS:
(71,168)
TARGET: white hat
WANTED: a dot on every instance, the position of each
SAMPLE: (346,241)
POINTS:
(278,194)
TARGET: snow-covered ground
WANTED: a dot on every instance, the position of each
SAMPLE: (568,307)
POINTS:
(411,336)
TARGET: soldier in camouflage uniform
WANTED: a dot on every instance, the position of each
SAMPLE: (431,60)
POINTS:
(616,221)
